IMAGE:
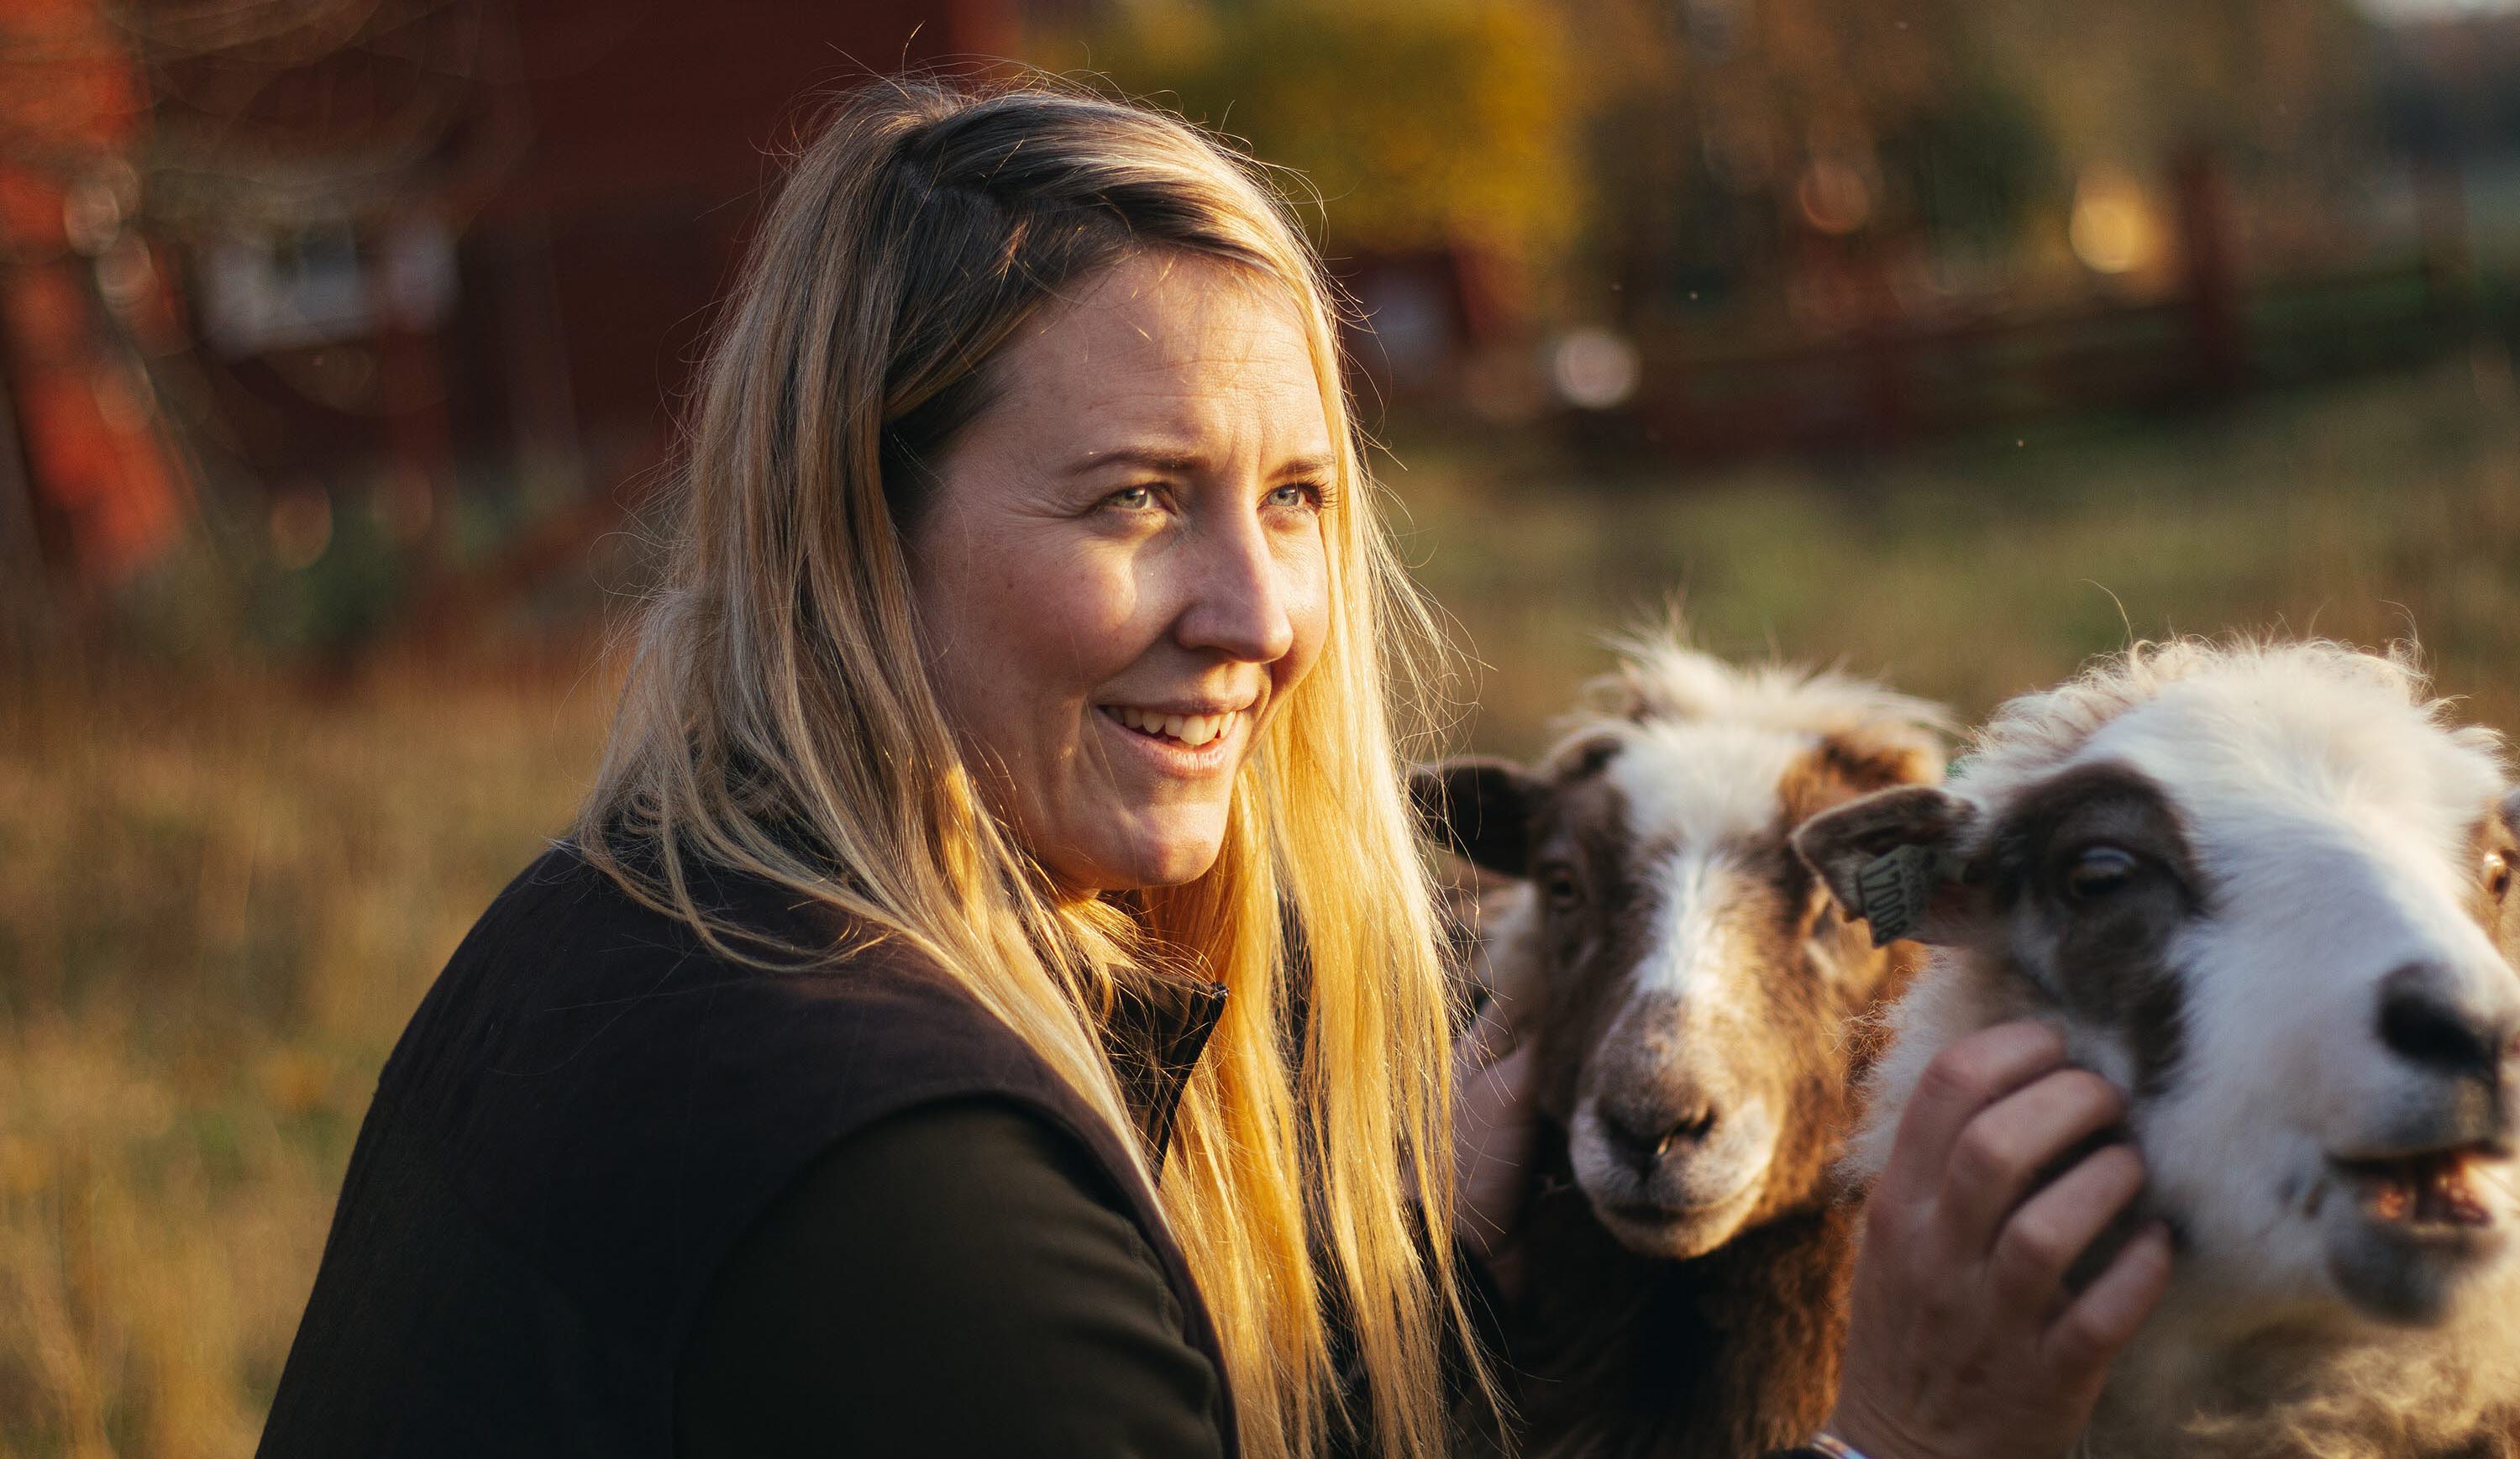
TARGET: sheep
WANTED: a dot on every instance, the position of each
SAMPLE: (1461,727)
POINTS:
(1691,992)
(2263,887)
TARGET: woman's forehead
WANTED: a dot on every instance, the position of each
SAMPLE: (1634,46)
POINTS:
(1166,352)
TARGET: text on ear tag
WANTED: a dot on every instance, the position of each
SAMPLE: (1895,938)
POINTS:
(1894,888)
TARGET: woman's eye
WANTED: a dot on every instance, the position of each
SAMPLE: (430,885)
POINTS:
(2497,874)
(1132,498)
(1300,495)
(2098,871)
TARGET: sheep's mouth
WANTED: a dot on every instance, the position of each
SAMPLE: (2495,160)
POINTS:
(2427,1189)
(1676,1232)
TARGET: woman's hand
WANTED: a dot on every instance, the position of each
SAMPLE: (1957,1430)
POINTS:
(1964,1342)
(1494,1124)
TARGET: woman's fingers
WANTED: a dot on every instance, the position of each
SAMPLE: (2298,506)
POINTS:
(2002,1152)
(1493,1131)
(2052,1229)
(1487,1040)
(1495,1103)
(2083,1339)
(1961,1081)
(1962,1340)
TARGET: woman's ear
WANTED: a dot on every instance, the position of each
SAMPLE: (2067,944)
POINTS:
(1895,859)
(1481,808)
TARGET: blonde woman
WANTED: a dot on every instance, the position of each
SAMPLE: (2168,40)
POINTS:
(989,1005)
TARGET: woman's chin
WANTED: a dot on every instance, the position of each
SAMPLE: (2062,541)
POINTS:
(1141,862)
(1174,865)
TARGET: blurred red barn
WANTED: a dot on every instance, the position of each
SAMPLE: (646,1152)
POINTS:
(388,243)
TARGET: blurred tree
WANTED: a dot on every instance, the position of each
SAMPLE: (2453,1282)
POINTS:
(1738,145)
(2277,97)
(1976,163)
(1765,127)
(94,489)
(1422,124)
(2274,83)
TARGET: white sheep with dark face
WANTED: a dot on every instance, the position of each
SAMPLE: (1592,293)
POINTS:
(2264,889)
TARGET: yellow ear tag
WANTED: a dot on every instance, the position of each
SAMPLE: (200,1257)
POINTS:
(1893,889)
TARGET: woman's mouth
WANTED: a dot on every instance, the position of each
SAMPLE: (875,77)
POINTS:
(1185,730)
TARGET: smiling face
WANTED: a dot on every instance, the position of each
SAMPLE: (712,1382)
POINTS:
(1124,566)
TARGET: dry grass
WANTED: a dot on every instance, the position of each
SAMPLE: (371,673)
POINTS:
(223,900)
(225,895)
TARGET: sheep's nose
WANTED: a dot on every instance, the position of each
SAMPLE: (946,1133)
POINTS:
(2427,1022)
(1644,1138)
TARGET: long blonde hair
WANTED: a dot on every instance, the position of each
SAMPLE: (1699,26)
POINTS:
(776,721)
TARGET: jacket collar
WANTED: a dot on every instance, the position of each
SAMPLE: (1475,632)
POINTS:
(1158,1025)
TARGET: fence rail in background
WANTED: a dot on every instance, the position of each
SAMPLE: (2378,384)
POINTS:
(1886,385)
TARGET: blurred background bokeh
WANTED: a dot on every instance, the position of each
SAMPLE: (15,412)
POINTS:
(341,345)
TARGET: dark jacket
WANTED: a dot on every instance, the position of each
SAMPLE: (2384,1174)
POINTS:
(592,1111)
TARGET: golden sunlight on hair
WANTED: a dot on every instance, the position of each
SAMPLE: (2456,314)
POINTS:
(776,721)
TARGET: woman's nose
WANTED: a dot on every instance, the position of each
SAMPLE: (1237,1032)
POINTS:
(1238,596)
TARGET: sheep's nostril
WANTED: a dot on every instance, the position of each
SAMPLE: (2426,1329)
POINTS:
(1644,1140)
(2425,1025)
(1634,1145)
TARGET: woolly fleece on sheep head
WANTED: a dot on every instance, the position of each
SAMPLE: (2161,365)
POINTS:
(2261,887)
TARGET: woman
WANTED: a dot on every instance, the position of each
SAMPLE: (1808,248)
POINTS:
(989,1002)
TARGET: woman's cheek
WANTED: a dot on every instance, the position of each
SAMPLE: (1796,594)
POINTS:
(1076,613)
(1307,596)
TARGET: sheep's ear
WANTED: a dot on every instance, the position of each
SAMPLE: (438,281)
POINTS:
(1894,860)
(1482,809)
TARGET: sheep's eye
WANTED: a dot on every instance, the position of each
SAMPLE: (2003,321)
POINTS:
(2099,870)
(2497,874)
(1558,883)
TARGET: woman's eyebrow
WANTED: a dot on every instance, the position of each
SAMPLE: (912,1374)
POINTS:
(1185,462)
(1305,466)
(1153,458)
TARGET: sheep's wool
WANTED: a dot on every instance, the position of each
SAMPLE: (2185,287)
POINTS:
(2330,810)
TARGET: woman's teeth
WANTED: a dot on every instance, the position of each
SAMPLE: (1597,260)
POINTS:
(1193,730)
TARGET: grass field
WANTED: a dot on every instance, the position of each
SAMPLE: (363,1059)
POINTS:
(1972,572)
(225,893)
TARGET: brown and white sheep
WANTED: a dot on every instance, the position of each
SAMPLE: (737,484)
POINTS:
(1694,997)
(2263,888)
